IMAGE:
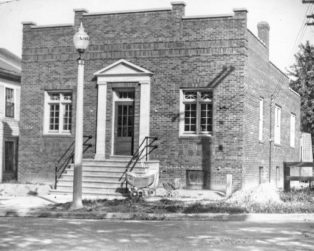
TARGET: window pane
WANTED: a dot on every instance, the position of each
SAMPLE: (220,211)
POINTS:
(125,132)
(130,131)
(190,118)
(67,117)
(54,117)
(9,102)
(119,131)
(206,117)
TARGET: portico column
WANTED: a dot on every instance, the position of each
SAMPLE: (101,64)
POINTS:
(101,120)
(144,110)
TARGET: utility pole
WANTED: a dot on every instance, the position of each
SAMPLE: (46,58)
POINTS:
(309,16)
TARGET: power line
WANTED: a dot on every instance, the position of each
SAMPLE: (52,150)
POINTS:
(8,1)
(301,30)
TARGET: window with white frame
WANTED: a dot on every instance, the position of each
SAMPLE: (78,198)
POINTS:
(261,119)
(196,112)
(292,130)
(277,124)
(9,102)
(58,113)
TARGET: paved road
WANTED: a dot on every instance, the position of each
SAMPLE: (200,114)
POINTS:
(66,234)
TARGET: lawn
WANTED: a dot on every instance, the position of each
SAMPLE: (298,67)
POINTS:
(291,202)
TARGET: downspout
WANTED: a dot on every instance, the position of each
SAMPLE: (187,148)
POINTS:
(270,136)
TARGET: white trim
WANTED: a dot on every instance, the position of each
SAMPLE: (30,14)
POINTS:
(198,132)
(15,88)
(18,68)
(277,125)
(101,120)
(1,150)
(103,79)
(136,69)
(292,129)
(261,119)
(139,75)
(51,26)
(61,103)
(144,111)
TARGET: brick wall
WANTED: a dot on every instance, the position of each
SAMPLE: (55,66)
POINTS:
(181,52)
(262,80)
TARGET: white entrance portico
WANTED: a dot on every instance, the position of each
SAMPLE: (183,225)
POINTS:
(116,75)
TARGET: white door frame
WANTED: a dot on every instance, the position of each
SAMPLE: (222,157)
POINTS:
(121,72)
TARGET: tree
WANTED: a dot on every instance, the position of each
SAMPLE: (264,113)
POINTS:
(302,73)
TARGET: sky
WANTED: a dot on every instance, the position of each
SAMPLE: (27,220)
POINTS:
(285,17)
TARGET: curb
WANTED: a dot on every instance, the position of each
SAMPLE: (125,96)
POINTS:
(258,218)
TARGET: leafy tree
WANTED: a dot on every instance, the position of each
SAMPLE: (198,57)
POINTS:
(302,73)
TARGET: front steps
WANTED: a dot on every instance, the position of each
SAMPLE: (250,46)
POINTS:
(100,178)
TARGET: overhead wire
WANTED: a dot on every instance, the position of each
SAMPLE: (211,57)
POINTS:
(302,29)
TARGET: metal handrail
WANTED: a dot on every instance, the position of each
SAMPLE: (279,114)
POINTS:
(68,157)
(138,155)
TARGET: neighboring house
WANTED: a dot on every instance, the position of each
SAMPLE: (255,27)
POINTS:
(10,85)
(202,85)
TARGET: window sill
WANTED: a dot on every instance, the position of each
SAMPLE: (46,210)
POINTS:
(277,144)
(58,135)
(261,142)
(187,136)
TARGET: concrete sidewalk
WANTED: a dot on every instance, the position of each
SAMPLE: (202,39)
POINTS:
(26,205)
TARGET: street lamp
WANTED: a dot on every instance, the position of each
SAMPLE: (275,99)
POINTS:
(81,41)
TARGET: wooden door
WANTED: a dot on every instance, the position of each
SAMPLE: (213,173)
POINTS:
(124,128)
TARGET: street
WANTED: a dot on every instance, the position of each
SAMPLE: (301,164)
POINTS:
(18,233)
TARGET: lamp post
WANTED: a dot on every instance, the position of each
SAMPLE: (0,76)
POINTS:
(81,41)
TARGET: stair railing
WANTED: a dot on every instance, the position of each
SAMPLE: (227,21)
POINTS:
(143,151)
(68,157)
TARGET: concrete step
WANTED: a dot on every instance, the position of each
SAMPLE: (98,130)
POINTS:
(92,195)
(114,173)
(104,178)
(110,184)
(92,190)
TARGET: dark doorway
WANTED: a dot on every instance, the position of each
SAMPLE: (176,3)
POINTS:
(10,170)
(124,128)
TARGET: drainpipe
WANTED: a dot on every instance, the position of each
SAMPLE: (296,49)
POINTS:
(270,136)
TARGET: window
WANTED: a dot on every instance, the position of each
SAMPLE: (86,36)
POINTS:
(9,102)
(58,112)
(277,176)
(277,124)
(197,109)
(292,130)
(261,119)
(260,175)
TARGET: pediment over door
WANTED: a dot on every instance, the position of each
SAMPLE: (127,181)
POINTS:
(121,68)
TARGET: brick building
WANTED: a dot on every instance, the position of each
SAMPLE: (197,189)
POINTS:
(10,85)
(203,85)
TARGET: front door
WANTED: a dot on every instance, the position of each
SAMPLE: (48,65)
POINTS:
(124,128)
(9,172)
